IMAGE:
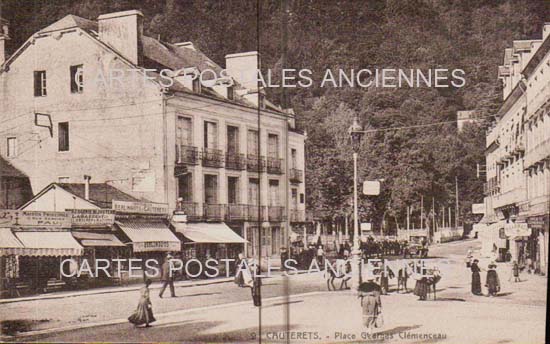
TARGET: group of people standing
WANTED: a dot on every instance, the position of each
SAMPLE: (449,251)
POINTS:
(492,282)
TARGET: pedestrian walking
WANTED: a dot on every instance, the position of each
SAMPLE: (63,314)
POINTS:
(320,256)
(239,278)
(476,278)
(144,311)
(515,271)
(167,277)
(492,283)
(371,304)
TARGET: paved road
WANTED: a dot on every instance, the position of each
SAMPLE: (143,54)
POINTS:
(520,307)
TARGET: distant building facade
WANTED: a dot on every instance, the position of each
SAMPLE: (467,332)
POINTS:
(76,99)
(518,155)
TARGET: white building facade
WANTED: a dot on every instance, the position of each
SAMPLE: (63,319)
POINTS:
(84,97)
(518,155)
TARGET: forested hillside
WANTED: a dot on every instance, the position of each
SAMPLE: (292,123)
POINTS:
(467,34)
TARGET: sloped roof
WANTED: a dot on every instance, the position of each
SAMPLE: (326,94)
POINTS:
(70,21)
(7,170)
(101,194)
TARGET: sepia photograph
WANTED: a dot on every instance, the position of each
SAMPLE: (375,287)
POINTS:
(274,171)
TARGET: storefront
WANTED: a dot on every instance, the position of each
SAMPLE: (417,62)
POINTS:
(34,267)
(519,236)
(539,226)
(205,240)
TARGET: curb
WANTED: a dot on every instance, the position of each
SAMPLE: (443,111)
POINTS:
(179,284)
(158,316)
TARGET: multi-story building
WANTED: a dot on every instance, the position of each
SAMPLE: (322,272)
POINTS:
(83,97)
(518,153)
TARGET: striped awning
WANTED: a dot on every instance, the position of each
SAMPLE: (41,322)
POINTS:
(91,239)
(209,233)
(150,235)
(9,244)
(49,244)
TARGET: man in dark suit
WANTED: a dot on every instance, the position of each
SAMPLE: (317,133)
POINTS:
(167,277)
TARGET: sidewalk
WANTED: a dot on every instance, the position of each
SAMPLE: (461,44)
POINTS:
(115,289)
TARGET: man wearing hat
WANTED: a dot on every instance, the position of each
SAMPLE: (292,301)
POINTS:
(167,277)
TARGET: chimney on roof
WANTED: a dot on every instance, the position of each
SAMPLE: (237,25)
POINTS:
(243,67)
(87,187)
(3,38)
(545,31)
(188,45)
(122,31)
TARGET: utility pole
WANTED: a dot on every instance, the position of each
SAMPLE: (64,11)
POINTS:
(450,223)
(408,217)
(421,211)
(456,202)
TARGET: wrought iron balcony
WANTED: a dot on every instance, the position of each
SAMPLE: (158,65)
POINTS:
(192,210)
(212,157)
(236,212)
(297,215)
(255,163)
(235,161)
(255,213)
(296,175)
(187,155)
(276,213)
(274,165)
(213,212)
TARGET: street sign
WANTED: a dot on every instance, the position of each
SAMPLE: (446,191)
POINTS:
(366,226)
(478,208)
(371,187)
(34,219)
(140,207)
(92,217)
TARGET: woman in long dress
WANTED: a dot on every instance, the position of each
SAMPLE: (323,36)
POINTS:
(476,278)
(372,307)
(144,311)
(493,282)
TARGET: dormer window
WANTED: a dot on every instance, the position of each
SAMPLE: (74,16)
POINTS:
(196,85)
(230,93)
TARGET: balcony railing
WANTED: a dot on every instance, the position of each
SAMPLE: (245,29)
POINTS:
(187,155)
(297,215)
(213,212)
(255,213)
(212,157)
(235,161)
(275,213)
(255,163)
(192,210)
(296,175)
(274,165)
(236,212)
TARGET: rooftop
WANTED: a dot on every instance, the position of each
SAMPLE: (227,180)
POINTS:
(101,194)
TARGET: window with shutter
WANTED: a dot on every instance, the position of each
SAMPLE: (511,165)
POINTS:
(252,145)
(253,187)
(210,135)
(273,146)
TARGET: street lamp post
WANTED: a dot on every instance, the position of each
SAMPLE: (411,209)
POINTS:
(356,133)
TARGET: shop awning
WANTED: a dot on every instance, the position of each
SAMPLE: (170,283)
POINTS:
(209,233)
(97,239)
(9,244)
(49,244)
(150,236)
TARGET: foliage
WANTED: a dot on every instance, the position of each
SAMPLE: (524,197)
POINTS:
(468,34)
